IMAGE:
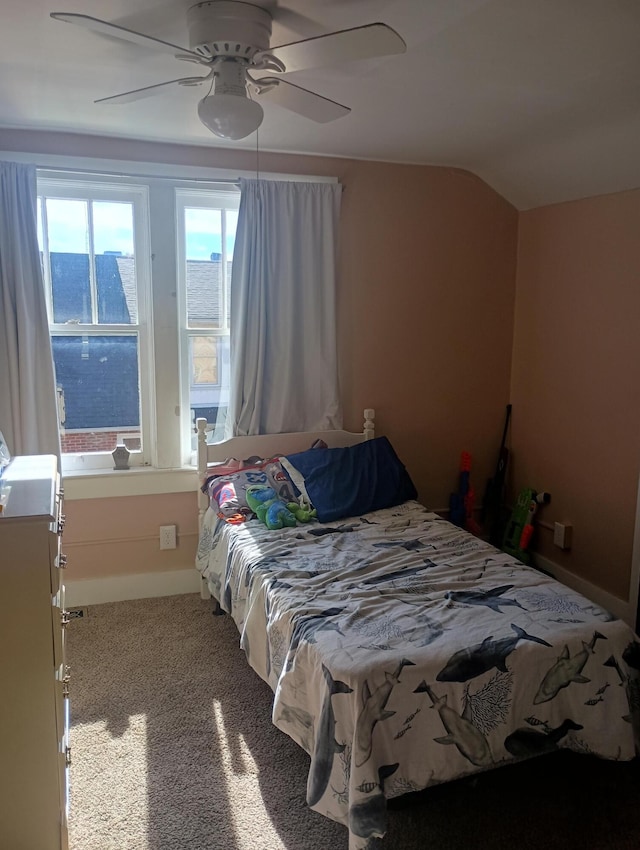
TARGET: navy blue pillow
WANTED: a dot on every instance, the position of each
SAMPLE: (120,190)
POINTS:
(355,480)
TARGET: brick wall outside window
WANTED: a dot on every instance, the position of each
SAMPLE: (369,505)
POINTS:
(101,441)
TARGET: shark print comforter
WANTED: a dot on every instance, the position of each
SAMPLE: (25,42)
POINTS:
(404,652)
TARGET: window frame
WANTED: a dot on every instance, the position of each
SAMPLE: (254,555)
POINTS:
(210,199)
(89,190)
(168,473)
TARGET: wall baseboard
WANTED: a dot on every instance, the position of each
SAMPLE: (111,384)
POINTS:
(95,591)
(622,608)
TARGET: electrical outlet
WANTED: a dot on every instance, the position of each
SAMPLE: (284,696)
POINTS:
(167,537)
(562,535)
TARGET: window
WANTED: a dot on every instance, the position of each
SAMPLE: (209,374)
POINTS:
(94,249)
(207,224)
(133,331)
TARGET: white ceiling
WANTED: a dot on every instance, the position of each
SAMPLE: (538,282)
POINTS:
(540,98)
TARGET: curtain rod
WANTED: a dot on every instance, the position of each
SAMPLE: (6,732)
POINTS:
(100,173)
(94,172)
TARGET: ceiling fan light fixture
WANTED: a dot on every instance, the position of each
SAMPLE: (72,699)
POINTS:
(228,111)
(230,116)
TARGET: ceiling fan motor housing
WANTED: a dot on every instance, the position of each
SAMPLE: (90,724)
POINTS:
(228,28)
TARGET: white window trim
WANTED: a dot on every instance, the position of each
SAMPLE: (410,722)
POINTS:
(85,167)
(88,190)
(205,199)
(138,481)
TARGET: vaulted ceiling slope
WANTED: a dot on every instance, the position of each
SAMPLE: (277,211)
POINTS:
(539,98)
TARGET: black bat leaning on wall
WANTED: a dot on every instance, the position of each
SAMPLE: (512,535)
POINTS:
(492,514)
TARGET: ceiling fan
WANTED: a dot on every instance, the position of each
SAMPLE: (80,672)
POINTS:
(231,39)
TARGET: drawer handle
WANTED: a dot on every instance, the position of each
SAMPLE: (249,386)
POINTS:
(66,679)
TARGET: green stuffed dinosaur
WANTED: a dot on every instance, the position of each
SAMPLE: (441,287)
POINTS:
(273,512)
(302,513)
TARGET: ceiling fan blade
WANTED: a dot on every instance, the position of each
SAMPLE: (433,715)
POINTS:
(105,28)
(304,102)
(149,91)
(342,46)
(296,22)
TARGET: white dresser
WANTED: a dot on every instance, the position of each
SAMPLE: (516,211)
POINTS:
(34,711)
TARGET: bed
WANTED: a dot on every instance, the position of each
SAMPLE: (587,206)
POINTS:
(403,651)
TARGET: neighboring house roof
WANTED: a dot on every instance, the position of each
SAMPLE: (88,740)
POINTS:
(203,289)
(98,374)
(72,295)
(99,378)
(127,271)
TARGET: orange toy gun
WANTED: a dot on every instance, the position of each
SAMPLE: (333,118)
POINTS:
(461,504)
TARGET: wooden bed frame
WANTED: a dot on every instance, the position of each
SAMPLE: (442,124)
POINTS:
(265,445)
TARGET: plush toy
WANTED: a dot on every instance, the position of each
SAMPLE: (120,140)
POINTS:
(270,510)
(302,513)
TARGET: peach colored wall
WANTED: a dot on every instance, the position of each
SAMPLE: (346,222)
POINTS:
(575,388)
(118,536)
(425,322)
(426,316)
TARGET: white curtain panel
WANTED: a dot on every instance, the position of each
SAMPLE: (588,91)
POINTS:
(284,371)
(28,408)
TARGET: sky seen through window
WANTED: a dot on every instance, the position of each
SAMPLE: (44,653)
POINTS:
(113,228)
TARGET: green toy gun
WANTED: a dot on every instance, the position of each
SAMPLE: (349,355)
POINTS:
(519,530)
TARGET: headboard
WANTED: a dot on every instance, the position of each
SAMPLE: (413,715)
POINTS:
(268,445)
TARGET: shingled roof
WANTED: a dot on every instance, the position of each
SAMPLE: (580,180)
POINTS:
(203,289)
(98,374)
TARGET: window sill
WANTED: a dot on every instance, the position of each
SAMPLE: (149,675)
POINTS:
(137,481)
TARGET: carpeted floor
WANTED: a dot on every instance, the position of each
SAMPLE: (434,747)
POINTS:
(173,749)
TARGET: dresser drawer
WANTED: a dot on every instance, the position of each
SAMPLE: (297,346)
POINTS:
(62,687)
(64,763)
(57,559)
(64,748)
(60,621)
(57,562)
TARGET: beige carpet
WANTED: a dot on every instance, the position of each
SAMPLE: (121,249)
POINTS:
(173,749)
